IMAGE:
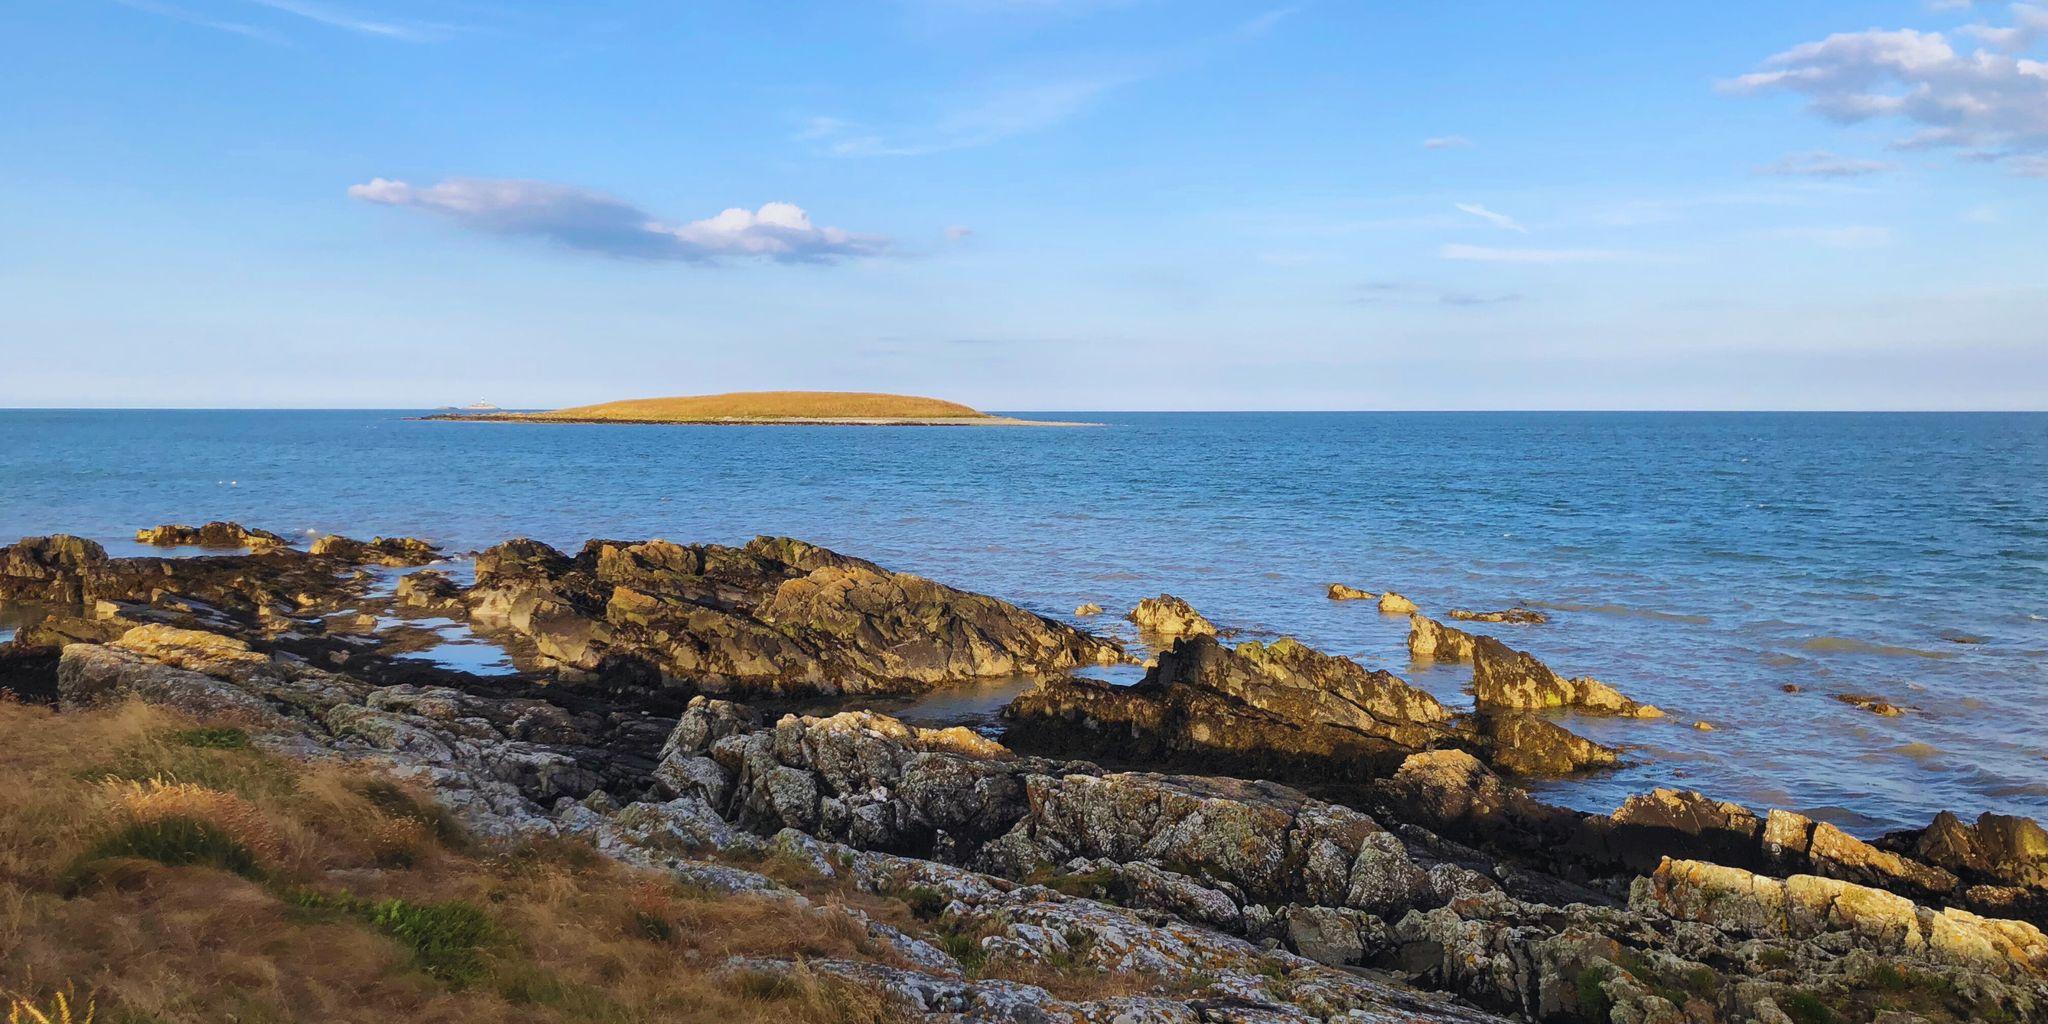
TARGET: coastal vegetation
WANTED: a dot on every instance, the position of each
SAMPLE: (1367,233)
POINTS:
(762,405)
(259,887)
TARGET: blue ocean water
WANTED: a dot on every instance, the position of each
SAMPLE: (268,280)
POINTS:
(1697,561)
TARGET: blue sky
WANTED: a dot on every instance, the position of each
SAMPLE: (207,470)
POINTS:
(1025,204)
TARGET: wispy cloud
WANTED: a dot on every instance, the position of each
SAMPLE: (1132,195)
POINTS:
(1018,105)
(1820,163)
(999,114)
(1376,293)
(1447,142)
(1492,254)
(594,222)
(348,21)
(400,29)
(163,10)
(1990,102)
(1849,236)
(1499,220)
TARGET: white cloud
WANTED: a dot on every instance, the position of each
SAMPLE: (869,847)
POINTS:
(1492,254)
(958,233)
(1852,236)
(1990,102)
(1499,220)
(1447,142)
(595,222)
(1820,163)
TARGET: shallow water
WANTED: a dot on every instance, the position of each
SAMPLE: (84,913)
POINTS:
(1699,562)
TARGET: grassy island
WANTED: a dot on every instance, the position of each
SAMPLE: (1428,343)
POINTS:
(770,407)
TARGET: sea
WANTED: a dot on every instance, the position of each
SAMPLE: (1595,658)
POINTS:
(1702,562)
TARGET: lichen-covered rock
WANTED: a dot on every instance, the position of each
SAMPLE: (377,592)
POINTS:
(1506,678)
(213,535)
(1167,617)
(1528,744)
(1808,907)
(1430,640)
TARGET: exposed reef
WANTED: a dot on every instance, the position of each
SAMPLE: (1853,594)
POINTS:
(776,616)
(1167,617)
(1404,879)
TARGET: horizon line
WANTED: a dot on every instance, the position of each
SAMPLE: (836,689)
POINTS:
(1119,412)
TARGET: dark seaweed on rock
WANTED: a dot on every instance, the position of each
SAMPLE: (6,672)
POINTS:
(775,616)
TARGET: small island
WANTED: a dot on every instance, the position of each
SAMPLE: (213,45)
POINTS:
(843,408)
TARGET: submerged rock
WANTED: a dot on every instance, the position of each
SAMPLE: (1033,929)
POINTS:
(392,551)
(212,535)
(1512,616)
(1167,616)
(1506,678)
(1875,705)
(1340,592)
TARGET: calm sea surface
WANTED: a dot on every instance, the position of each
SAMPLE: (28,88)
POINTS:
(1699,562)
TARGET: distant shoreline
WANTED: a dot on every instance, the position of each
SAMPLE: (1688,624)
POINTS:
(767,421)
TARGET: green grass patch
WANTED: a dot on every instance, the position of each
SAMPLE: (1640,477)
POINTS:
(1806,1008)
(447,940)
(1594,1003)
(215,737)
(529,985)
(174,840)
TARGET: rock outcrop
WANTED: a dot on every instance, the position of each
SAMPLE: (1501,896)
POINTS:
(1506,678)
(1282,709)
(1279,707)
(397,552)
(1511,616)
(1430,640)
(1340,592)
(777,615)
(1394,604)
(1168,617)
(212,535)
(1217,899)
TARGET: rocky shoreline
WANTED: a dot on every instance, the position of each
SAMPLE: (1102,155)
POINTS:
(1260,831)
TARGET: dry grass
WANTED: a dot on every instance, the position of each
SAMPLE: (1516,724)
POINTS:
(369,904)
(768,405)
